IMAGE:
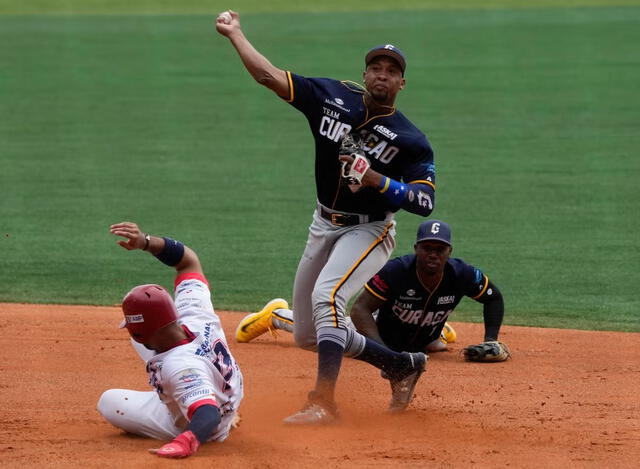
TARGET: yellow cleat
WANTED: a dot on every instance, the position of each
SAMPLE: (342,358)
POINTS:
(256,324)
(448,334)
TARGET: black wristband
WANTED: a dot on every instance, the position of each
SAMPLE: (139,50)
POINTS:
(204,421)
(147,238)
(172,252)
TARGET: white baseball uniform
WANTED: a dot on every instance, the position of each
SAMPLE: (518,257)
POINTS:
(198,372)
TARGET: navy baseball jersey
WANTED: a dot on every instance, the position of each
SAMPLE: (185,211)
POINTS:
(410,317)
(394,146)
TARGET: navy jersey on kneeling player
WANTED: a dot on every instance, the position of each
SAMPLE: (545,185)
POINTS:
(410,317)
(394,146)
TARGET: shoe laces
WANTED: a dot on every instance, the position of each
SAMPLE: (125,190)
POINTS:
(273,331)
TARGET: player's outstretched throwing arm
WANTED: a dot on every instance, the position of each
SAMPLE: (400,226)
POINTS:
(263,71)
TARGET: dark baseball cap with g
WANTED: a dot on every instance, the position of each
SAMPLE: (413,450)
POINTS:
(388,50)
(434,230)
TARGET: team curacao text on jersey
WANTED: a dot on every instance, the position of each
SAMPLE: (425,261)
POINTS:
(376,146)
(411,316)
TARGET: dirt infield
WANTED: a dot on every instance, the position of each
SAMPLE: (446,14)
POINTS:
(567,399)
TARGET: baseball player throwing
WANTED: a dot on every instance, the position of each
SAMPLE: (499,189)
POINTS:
(370,162)
(198,384)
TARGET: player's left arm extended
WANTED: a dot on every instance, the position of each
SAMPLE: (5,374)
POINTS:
(415,196)
(168,251)
(493,311)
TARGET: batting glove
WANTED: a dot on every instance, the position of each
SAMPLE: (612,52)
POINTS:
(182,446)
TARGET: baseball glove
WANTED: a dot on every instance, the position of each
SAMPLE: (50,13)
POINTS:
(350,145)
(491,351)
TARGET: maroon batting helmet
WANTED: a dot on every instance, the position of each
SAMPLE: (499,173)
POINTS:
(147,308)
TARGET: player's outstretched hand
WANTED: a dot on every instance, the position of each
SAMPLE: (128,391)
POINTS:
(135,239)
(182,446)
(227,22)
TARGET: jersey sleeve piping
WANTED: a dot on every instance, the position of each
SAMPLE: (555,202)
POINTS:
(370,290)
(421,181)
(369,119)
(484,288)
(352,84)
(290,81)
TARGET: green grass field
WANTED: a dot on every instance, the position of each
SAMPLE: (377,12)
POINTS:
(147,114)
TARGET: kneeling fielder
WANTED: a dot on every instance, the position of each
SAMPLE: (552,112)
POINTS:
(198,384)
(406,304)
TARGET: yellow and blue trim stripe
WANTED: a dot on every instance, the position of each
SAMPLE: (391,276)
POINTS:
(484,288)
(290,80)
(345,277)
(377,295)
(422,181)
(387,181)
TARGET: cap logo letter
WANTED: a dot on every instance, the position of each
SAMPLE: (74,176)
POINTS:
(389,46)
(435,228)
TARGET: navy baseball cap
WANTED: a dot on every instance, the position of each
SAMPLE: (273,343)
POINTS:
(434,230)
(388,50)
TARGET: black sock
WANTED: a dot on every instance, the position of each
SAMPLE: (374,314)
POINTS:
(329,361)
(392,363)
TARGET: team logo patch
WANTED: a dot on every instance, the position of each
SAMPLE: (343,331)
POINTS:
(411,292)
(188,376)
(133,318)
(337,102)
(379,283)
(425,201)
(197,395)
(445,300)
(386,132)
(479,278)
(360,165)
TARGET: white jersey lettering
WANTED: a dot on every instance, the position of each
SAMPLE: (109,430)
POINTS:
(333,129)
(416,317)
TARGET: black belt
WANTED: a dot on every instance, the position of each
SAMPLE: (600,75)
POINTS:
(343,219)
